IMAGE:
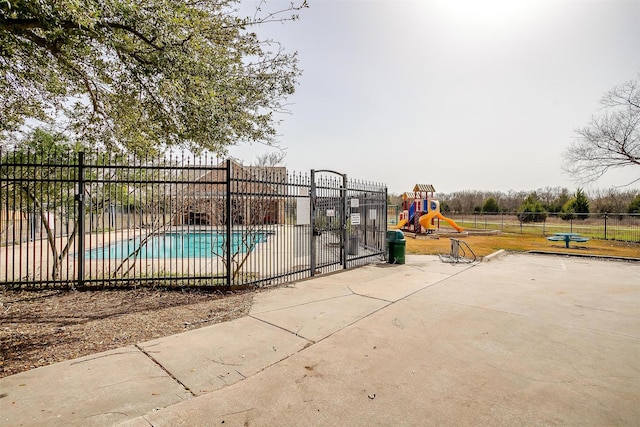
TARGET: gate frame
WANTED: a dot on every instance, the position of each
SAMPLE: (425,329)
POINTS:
(343,219)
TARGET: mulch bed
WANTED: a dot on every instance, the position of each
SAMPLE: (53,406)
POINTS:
(45,327)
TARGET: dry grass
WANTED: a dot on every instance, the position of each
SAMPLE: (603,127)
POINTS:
(485,244)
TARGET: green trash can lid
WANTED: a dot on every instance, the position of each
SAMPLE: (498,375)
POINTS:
(395,235)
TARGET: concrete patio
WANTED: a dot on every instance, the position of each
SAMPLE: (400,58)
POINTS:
(521,340)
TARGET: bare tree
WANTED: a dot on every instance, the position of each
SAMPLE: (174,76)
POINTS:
(611,140)
(271,158)
(611,200)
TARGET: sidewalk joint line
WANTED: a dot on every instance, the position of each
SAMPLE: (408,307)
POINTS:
(311,342)
(165,369)
(306,303)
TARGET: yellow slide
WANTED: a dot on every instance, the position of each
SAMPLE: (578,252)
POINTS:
(425,220)
(401,223)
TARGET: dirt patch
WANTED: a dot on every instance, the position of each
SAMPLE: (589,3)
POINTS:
(41,328)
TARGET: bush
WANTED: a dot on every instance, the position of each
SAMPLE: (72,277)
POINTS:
(490,206)
(634,206)
(568,212)
(532,210)
(577,207)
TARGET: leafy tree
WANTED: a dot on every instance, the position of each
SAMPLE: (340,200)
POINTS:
(634,206)
(140,76)
(490,206)
(612,139)
(532,210)
(577,207)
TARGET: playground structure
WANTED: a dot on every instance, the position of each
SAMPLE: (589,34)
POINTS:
(421,212)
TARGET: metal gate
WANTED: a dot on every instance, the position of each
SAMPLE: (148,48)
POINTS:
(348,221)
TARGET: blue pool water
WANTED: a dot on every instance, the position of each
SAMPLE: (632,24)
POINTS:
(179,245)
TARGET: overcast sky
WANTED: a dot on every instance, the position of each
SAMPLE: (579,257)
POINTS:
(463,95)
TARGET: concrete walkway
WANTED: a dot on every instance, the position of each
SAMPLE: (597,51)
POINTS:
(520,340)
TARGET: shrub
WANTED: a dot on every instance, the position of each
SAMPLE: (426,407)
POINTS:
(634,206)
(577,207)
(568,212)
(490,206)
(532,210)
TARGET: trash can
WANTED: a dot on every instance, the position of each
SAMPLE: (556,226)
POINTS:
(396,247)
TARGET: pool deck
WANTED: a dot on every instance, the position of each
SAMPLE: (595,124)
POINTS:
(520,340)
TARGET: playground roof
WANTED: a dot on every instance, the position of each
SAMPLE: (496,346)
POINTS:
(424,187)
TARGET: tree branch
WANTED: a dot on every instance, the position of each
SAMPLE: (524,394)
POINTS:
(88,84)
(130,30)
(24,25)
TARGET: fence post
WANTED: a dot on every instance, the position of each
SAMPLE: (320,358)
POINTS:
(605,226)
(312,221)
(344,236)
(228,224)
(366,223)
(80,200)
(385,224)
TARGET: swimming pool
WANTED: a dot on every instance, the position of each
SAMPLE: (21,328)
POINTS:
(179,245)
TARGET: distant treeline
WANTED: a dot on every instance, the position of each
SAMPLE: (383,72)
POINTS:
(552,200)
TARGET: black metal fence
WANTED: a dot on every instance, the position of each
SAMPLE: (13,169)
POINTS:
(610,226)
(91,220)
